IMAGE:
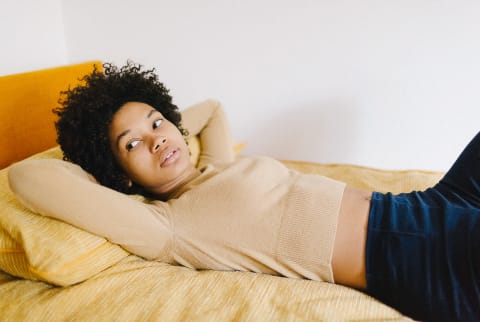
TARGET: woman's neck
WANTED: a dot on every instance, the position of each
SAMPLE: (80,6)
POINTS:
(178,185)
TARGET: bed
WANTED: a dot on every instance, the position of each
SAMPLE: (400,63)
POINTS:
(51,271)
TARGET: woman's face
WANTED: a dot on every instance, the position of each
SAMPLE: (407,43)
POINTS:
(149,148)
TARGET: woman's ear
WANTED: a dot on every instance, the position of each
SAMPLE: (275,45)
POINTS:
(127,181)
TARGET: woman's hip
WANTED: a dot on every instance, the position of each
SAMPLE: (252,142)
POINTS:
(423,255)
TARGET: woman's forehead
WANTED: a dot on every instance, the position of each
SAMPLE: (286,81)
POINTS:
(134,110)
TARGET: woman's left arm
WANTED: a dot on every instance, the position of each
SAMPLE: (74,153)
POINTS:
(208,120)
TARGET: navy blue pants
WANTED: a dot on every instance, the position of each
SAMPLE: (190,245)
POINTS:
(423,248)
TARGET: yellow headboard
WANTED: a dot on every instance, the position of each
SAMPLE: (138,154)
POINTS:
(26,103)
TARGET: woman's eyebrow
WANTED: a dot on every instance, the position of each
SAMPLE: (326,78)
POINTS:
(151,112)
(120,136)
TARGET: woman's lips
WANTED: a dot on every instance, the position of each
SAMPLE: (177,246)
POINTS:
(169,157)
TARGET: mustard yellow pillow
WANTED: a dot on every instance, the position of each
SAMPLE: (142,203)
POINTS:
(40,248)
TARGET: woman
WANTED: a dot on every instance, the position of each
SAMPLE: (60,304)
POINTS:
(418,252)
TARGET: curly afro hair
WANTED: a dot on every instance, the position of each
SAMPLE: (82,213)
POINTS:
(86,111)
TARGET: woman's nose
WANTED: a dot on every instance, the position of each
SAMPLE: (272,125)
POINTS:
(158,142)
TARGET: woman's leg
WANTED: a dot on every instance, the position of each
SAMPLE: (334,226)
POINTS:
(463,178)
(457,245)
(423,248)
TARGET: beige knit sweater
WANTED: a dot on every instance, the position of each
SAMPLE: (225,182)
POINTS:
(252,214)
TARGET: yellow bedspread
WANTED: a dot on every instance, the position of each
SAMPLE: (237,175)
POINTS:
(136,290)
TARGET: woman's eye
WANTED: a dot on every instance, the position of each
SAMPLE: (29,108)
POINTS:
(132,144)
(157,123)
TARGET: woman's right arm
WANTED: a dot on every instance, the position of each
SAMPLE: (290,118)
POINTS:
(64,191)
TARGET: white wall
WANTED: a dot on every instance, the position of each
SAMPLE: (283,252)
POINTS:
(391,84)
(32,35)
